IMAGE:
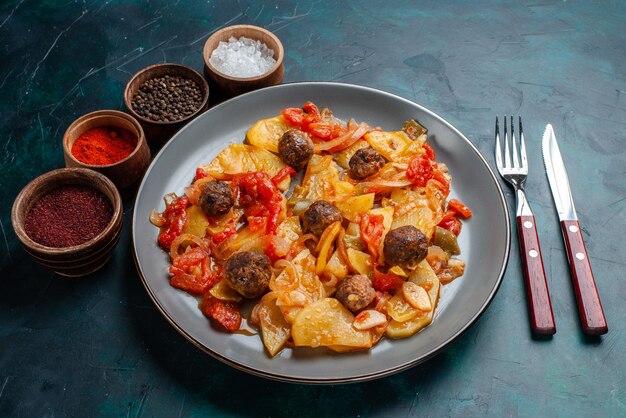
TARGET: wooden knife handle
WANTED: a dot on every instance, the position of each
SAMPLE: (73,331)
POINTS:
(589,306)
(539,305)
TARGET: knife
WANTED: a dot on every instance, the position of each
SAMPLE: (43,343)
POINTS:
(589,305)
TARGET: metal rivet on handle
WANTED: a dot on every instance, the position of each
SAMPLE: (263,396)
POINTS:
(573,228)
(533,253)
(528,224)
(580,256)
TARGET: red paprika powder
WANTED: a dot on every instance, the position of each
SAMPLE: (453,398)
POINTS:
(104,145)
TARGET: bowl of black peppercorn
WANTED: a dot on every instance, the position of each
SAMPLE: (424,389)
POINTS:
(164,98)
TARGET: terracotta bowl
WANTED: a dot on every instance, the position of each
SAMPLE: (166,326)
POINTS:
(126,173)
(159,132)
(224,86)
(78,260)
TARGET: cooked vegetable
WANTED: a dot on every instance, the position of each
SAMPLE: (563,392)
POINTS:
(241,158)
(369,319)
(265,133)
(416,296)
(390,144)
(446,240)
(222,291)
(343,157)
(360,262)
(275,330)
(422,276)
(413,129)
(354,206)
(197,222)
(328,323)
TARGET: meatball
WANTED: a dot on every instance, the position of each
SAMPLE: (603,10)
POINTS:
(319,216)
(365,162)
(216,199)
(295,148)
(355,292)
(405,247)
(248,273)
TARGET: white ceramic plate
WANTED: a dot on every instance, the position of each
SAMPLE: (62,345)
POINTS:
(484,241)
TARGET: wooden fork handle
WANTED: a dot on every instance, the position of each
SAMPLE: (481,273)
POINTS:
(589,305)
(539,305)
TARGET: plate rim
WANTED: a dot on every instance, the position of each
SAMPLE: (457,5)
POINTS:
(333,380)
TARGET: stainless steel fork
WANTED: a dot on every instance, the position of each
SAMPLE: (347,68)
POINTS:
(514,171)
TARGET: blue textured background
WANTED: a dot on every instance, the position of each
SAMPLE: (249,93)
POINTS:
(99,346)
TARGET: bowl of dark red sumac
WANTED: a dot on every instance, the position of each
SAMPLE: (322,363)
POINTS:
(69,220)
(165,97)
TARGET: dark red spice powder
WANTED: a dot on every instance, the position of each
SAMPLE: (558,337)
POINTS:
(68,216)
(104,146)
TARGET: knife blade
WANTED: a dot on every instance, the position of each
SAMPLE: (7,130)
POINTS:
(587,297)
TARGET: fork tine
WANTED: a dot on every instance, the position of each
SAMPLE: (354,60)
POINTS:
(522,145)
(498,148)
(507,152)
(514,145)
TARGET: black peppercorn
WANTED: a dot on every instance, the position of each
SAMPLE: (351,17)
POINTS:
(167,99)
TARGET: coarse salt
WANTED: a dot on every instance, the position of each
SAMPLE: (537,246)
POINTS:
(242,57)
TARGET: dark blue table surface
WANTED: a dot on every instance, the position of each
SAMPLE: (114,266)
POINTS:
(98,346)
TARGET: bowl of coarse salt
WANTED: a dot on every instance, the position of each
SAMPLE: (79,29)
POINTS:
(242,58)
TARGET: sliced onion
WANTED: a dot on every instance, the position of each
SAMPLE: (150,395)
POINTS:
(400,166)
(386,183)
(324,236)
(184,238)
(156,218)
(306,237)
(283,264)
(401,176)
(355,132)
(341,246)
(169,198)
(285,285)
(254,315)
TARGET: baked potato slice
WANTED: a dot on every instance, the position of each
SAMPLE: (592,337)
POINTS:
(328,323)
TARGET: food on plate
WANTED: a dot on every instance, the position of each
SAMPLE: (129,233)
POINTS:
(319,216)
(405,247)
(216,198)
(365,162)
(248,273)
(355,292)
(295,148)
(317,232)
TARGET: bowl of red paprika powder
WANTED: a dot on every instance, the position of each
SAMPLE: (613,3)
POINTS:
(109,142)
(69,220)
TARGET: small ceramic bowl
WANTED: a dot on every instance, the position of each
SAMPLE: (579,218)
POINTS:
(78,260)
(159,132)
(126,173)
(224,86)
